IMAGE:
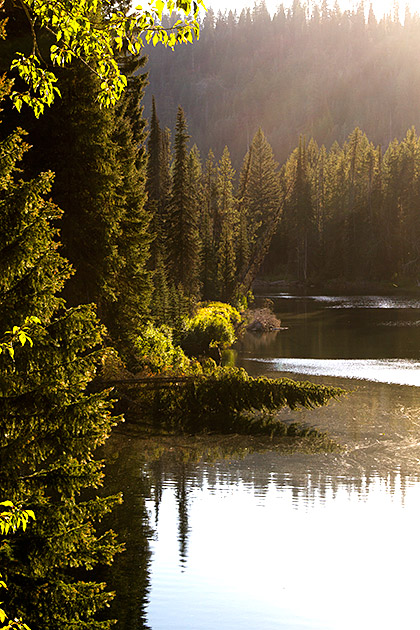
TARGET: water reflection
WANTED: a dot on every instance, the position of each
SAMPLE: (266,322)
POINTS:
(286,540)
(272,549)
(354,301)
(129,575)
(257,542)
(396,371)
(359,328)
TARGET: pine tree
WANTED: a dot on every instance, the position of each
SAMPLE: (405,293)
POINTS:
(226,207)
(226,268)
(410,198)
(130,278)
(99,163)
(158,185)
(50,425)
(154,184)
(154,144)
(161,295)
(243,249)
(75,140)
(208,270)
(182,232)
(165,178)
(195,183)
(301,200)
(262,190)
(226,225)
(259,204)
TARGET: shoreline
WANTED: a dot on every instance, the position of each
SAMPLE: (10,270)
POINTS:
(334,286)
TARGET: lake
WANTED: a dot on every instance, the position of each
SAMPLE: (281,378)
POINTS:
(272,541)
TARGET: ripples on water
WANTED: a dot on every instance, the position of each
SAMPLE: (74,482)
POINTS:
(393,371)
(351,301)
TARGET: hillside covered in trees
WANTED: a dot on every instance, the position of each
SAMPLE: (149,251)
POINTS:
(110,239)
(319,72)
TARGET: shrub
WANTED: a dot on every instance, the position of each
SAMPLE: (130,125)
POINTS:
(156,352)
(212,326)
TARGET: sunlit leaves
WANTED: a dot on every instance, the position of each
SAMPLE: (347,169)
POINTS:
(80,32)
(13,518)
(20,334)
(212,326)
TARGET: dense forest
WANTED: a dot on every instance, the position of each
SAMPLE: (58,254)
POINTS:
(130,244)
(313,70)
(350,213)
(335,94)
(122,257)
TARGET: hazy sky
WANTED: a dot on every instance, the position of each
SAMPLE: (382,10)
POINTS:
(380,6)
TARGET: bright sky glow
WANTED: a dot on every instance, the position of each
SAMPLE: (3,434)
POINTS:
(381,7)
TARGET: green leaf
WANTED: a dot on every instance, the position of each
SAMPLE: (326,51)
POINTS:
(159,6)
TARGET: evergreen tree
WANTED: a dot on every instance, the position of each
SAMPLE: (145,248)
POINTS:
(243,250)
(335,213)
(225,208)
(165,177)
(301,212)
(158,185)
(260,202)
(154,183)
(410,200)
(99,164)
(262,191)
(391,246)
(226,268)
(182,232)
(75,140)
(195,184)
(50,425)
(225,228)
(131,281)
(154,144)
(161,295)
(208,271)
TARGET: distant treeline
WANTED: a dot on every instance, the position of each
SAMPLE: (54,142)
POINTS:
(350,213)
(318,73)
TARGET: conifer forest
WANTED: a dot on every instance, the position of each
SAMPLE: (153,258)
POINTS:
(153,171)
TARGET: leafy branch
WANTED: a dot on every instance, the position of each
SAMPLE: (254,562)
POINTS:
(80,34)
(18,334)
(12,518)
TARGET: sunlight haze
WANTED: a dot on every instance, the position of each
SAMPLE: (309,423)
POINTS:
(381,7)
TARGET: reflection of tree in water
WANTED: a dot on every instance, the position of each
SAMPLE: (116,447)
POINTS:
(145,471)
(258,473)
(157,475)
(129,576)
(312,488)
(182,503)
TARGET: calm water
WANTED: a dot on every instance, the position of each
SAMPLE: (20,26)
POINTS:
(271,541)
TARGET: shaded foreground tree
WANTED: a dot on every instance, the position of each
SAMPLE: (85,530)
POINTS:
(99,162)
(50,423)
